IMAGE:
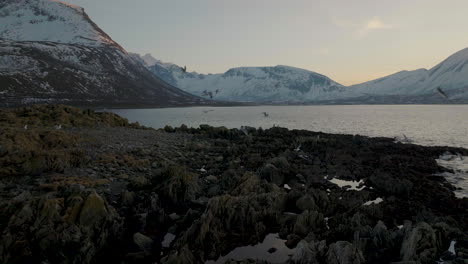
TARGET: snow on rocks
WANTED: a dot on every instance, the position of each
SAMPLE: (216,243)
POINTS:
(168,238)
(376,201)
(348,185)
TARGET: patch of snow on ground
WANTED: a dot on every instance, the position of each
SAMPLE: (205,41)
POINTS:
(376,201)
(348,185)
(260,251)
(459,165)
(168,238)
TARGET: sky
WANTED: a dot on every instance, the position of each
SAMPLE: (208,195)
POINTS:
(349,41)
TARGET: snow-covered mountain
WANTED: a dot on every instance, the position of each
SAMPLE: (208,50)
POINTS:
(54,21)
(255,84)
(51,51)
(451,76)
(289,84)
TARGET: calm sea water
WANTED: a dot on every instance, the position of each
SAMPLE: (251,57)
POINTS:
(422,124)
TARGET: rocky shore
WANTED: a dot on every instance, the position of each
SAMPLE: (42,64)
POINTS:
(78,186)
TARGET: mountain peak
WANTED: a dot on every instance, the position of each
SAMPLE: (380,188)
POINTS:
(149,59)
(49,20)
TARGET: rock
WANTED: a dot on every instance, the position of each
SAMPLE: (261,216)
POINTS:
(280,162)
(127,198)
(292,240)
(309,221)
(143,242)
(123,176)
(74,208)
(248,183)
(184,256)
(306,202)
(50,212)
(343,252)
(270,173)
(174,217)
(420,244)
(211,178)
(94,210)
(304,254)
(301,178)
(139,181)
(226,217)
(391,185)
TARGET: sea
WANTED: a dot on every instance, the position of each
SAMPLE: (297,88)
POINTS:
(429,125)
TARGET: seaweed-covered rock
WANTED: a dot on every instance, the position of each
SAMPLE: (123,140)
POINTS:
(229,220)
(421,243)
(343,252)
(47,227)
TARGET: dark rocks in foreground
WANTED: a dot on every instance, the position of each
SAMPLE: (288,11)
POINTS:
(84,187)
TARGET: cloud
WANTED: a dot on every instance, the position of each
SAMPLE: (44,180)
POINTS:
(376,23)
(372,25)
(362,29)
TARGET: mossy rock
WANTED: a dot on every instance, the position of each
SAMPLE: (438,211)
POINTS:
(94,210)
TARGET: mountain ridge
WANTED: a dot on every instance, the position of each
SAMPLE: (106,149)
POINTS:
(451,75)
(252,84)
(51,51)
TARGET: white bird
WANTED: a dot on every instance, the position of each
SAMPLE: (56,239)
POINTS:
(298,148)
(244,130)
(58,127)
(202,170)
(25,127)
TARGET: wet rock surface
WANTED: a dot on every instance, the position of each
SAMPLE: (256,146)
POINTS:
(84,187)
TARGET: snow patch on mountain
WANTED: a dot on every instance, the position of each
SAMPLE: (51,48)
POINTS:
(149,60)
(294,85)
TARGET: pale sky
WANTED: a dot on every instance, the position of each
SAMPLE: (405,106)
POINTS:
(350,41)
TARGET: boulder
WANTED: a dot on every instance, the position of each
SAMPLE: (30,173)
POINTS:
(272,174)
(306,202)
(304,254)
(94,210)
(421,243)
(143,242)
(309,221)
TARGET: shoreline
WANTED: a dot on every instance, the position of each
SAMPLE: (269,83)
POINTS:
(113,191)
(97,105)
